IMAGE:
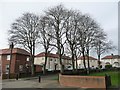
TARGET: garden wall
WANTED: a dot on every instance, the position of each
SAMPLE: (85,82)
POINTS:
(82,81)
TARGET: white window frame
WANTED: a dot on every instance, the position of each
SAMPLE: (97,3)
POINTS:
(7,66)
(28,59)
(8,57)
(21,67)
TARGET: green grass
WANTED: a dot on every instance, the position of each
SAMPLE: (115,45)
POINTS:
(55,77)
(115,77)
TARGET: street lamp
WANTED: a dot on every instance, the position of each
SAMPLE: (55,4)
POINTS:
(11,48)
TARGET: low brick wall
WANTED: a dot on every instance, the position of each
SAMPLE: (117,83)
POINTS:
(82,81)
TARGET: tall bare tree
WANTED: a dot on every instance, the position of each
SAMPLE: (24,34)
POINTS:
(57,17)
(102,46)
(45,39)
(24,31)
(87,30)
(72,35)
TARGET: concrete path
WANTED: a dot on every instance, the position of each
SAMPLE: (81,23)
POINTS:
(46,82)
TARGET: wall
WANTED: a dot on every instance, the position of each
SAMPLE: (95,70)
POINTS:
(83,81)
(5,62)
(38,68)
(17,59)
(21,60)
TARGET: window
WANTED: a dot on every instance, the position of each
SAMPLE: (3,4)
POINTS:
(27,59)
(55,61)
(8,57)
(26,65)
(116,63)
(20,67)
(7,68)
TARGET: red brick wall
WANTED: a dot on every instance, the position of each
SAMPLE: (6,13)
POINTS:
(21,60)
(82,81)
(5,62)
(17,59)
(38,68)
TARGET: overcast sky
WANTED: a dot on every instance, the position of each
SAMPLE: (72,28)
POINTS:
(105,13)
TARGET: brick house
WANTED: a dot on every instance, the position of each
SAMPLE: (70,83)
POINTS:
(93,62)
(19,63)
(52,61)
(113,60)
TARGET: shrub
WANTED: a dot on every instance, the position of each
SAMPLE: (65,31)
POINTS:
(78,72)
(108,66)
(5,76)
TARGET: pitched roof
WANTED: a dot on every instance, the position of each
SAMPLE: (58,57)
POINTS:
(111,57)
(52,55)
(15,50)
(90,58)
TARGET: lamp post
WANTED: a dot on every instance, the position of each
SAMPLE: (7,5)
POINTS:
(11,48)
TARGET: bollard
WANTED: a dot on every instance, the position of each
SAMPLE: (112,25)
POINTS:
(17,77)
(39,79)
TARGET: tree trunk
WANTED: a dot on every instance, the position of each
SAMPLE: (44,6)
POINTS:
(76,63)
(32,66)
(73,64)
(84,59)
(88,71)
(99,60)
(60,55)
(32,59)
(61,65)
(44,70)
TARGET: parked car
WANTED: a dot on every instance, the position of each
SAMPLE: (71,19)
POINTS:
(68,67)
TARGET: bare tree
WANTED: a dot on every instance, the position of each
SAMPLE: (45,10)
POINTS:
(77,55)
(24,31)
(56,19)
(72,35)
(102,46)
(45,39)
(87,30)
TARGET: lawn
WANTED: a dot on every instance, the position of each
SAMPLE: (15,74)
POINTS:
(115,77)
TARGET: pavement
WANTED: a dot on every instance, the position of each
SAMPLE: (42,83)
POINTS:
(33,82)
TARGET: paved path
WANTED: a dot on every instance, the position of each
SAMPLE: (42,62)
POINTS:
(46,82)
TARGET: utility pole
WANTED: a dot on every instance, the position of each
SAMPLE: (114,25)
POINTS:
(11,48)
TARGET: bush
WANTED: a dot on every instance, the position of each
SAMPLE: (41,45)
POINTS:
(70,72)
(108,66)
(5,76)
